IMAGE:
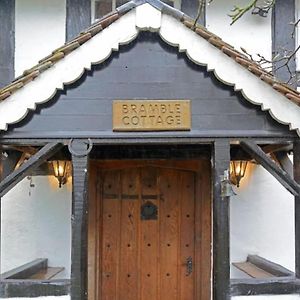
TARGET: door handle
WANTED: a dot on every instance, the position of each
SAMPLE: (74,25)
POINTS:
(189,266)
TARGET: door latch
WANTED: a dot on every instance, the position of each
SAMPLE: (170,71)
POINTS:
(189,266)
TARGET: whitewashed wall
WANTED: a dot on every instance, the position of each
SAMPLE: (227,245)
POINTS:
(40,28)
(262,223)
(250,32)
(262,219)
(36,223)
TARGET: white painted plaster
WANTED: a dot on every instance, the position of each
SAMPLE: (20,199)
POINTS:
(251,32)
(262,220)
(40,28)
(36,223)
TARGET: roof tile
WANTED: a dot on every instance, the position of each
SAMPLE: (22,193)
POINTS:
(13,87)
(67,48)
(293,98)
(4,95)
(82,38)
(110,19)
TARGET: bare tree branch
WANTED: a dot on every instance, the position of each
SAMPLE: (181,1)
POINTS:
(261,8)
(237,12)
(257,9)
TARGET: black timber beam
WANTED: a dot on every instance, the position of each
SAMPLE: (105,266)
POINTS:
(7,38)
(33,288)
(79,251)
(285,163)
(283,40)
(269,286)
(190,7)
(263,159)
(10,162)
(296,158)
(78,17)
(26,270)
(221,260)
(1,177)
(38,141)
(33,162)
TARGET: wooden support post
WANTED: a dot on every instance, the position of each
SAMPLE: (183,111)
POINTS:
(33,162)
(1,177)
(79,220)
(221,261)
(297,208)
(262,158)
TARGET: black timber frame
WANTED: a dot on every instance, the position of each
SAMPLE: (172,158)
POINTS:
(34,288)
(35,161)
(282,176)
(270,286)
(221,259)
(223,287)
(78,17)
(283,15)
(297,208)
(14,283)
(79,252)
(7,34)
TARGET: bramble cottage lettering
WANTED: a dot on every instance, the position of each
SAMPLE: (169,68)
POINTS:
(146,115)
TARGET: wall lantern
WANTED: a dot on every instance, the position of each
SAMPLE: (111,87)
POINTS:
(60,171)
(237,171)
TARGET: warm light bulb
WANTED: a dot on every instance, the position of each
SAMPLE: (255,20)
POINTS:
(60,170)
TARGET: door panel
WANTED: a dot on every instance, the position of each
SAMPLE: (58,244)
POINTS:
(149,228)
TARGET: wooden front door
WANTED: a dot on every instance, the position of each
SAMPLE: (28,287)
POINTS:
(149,231)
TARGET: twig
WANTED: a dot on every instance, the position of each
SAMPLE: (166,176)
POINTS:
(200,11)
(276,63)
(261,10)
(238,12)
(295,24)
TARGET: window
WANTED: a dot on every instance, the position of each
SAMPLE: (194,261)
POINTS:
(102,7)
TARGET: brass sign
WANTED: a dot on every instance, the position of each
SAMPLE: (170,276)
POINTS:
(151,115)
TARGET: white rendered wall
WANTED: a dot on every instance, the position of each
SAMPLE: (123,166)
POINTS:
(40,28)
(262,223)
(250,32)
(36,223)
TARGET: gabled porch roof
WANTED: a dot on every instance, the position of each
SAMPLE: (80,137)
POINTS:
(67,64)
